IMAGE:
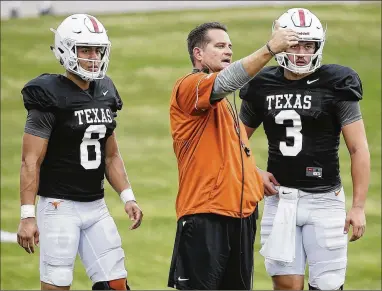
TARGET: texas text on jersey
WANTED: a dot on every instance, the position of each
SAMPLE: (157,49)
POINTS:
(300,122)
(74,163)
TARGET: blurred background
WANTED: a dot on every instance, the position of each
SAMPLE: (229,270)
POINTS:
(148,54)
(13,9)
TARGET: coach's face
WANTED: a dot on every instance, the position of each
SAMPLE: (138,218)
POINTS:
(217,53)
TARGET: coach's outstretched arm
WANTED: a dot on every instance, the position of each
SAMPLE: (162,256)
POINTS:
(356,142)
(242,71)
(33,154)
(116,175)
(281,40)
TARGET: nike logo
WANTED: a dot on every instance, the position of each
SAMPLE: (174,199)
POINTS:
(104,93)
(286,192)
(310,82)
(182,279)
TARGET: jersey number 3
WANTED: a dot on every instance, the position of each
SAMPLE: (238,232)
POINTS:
(88,142)
(292,131)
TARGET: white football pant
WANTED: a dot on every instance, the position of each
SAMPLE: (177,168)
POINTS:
(70,227)
(320,238)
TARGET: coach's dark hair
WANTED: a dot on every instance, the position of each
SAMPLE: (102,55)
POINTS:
(198,36)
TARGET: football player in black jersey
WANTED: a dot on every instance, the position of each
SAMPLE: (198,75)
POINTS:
(304,107)
(69,146)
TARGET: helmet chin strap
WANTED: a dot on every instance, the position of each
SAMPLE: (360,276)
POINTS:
(296,69)
(86,75)
(299,69)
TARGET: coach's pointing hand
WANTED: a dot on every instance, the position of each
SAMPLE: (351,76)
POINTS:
(282,38)
(135,213)
(28,234)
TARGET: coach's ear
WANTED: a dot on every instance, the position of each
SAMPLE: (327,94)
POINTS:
(198,53)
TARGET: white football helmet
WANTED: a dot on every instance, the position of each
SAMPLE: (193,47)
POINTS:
(309,28)
(80,30)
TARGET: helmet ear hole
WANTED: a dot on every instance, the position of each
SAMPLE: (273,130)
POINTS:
(61,52)
(318,45)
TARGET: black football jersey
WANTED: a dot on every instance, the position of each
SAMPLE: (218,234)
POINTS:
(301,124)
(74,164)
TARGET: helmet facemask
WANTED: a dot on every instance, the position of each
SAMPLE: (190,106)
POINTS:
(99,66)
(284,59)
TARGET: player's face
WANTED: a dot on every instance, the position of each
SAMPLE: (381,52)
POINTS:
(217,54)
(302,51)
(92,55)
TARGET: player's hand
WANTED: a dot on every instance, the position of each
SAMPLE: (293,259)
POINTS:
(356,218)
(282,38)
(28,234)
(135,213)
(269,182)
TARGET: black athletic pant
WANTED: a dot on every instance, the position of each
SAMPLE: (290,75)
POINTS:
(207,253)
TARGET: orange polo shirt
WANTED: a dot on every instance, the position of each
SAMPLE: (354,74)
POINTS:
(206,145)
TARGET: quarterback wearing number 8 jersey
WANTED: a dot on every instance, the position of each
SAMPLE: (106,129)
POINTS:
(304,107)
(69,146)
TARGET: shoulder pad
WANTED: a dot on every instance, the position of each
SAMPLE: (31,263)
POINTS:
(267,76)
(38,93)
(272,73)
(345,82)
(118,103)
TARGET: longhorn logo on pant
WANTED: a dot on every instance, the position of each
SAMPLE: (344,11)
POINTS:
(55,203)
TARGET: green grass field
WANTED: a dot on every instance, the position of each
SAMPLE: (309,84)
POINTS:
(148,54)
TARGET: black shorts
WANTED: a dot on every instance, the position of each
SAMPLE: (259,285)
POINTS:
(207,253)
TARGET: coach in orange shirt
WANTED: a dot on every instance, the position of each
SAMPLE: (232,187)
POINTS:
(219,186)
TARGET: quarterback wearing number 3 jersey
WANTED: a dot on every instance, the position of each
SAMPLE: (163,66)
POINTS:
(304,107)
(69,146)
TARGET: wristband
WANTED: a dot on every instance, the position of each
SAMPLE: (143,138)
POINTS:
(127,195)
(27,211)
(269,49)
